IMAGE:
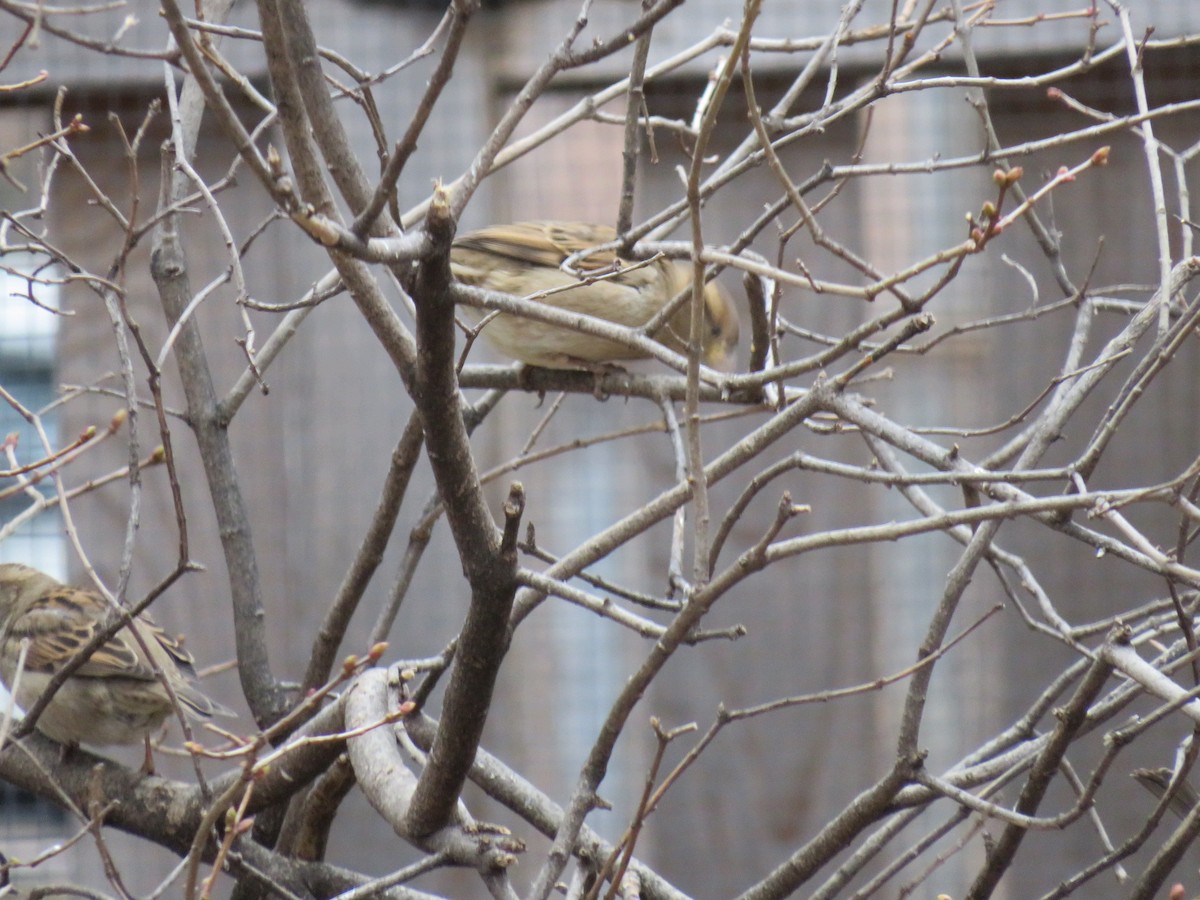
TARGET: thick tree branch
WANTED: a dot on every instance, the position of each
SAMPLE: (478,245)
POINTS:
(168,267)
(489,563)
(390,786)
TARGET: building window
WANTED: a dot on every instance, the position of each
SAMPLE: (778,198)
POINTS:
(28,339)
(28,352)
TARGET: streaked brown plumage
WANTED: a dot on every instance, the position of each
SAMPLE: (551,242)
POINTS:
(525,258)
(113,698)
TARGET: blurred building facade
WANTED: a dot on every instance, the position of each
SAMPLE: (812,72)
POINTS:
(312,452)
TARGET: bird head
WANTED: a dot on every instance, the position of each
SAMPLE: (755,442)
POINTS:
(15,580)
(721,329)
(719,337)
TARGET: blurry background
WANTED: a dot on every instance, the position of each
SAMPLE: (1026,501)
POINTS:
(313,451)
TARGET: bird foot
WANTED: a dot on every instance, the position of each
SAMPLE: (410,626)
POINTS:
(148,762)
(599,370)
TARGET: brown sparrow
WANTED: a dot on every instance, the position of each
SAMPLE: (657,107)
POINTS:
(525,258)
(116,697)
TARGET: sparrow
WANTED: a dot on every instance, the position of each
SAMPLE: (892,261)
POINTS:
(525,258)
(115,697)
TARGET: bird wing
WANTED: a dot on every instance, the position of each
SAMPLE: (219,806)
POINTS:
(544,243)
(59,623)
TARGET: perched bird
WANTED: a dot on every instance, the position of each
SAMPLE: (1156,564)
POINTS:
(113,698)
(525,258)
